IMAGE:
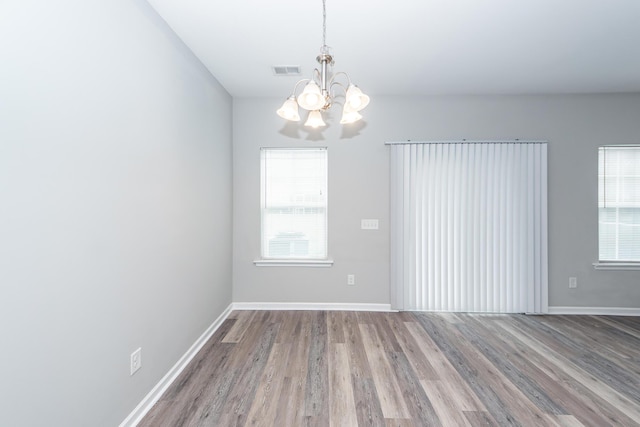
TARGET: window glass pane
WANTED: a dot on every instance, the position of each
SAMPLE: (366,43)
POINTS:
(630,191)
(608,215)
(294,203)
(629,243)
(607,241)
(619,203)
(630,216)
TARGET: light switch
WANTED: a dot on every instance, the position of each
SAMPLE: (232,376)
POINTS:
(369,224)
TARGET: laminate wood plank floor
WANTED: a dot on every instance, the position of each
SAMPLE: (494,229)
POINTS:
(319,368)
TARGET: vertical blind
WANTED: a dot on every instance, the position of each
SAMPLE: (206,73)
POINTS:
(469,226)
(294,203)
(619,203)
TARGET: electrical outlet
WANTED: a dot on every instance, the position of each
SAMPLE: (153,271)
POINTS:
(573,282)
(136,360)
(351,279)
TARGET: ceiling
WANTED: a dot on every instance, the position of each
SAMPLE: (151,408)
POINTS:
(425,47)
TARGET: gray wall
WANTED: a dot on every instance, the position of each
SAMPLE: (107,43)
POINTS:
(358,188)
(115,207)
(115,201)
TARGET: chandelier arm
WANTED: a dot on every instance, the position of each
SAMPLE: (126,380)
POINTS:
(333,83)
(339,73)
(295,88)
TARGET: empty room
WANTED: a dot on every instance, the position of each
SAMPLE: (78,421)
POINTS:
(319,213)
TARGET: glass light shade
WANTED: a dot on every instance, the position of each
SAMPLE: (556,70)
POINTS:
(289,110)
(315,119)
(311,98)
(349,117)
(355,99)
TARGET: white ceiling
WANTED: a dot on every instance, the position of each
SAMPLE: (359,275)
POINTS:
(399,47)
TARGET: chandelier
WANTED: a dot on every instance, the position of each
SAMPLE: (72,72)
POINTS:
(319,92)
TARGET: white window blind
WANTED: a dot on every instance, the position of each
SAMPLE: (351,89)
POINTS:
(469,226)
(619,203)
(294,203)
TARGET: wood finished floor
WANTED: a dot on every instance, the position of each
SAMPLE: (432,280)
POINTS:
(318,368)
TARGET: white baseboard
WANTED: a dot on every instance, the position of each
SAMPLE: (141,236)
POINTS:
(596,311)
(150,399)
(310,306)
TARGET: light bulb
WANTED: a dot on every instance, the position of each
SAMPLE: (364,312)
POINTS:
(355,100)
(289,110)
(315,119)
(311,98)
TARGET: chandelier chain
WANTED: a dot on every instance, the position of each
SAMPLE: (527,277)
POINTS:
(324,24)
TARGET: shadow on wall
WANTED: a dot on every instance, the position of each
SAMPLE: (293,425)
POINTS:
(296,129)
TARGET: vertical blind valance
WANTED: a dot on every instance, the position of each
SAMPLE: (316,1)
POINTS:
(469,226)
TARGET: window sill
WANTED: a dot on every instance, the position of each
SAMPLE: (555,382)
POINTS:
(293,262)
(613,265)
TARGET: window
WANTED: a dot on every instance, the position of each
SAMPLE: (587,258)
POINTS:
(619,203)
(294,204)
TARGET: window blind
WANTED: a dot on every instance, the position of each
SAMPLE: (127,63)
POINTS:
(619,203)
(294,203)
(469,227)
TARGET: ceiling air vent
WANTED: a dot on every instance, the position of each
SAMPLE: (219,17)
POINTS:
(286,70)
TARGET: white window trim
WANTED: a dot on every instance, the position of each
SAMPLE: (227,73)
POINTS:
(293,262)
(612,264)
(616,265)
